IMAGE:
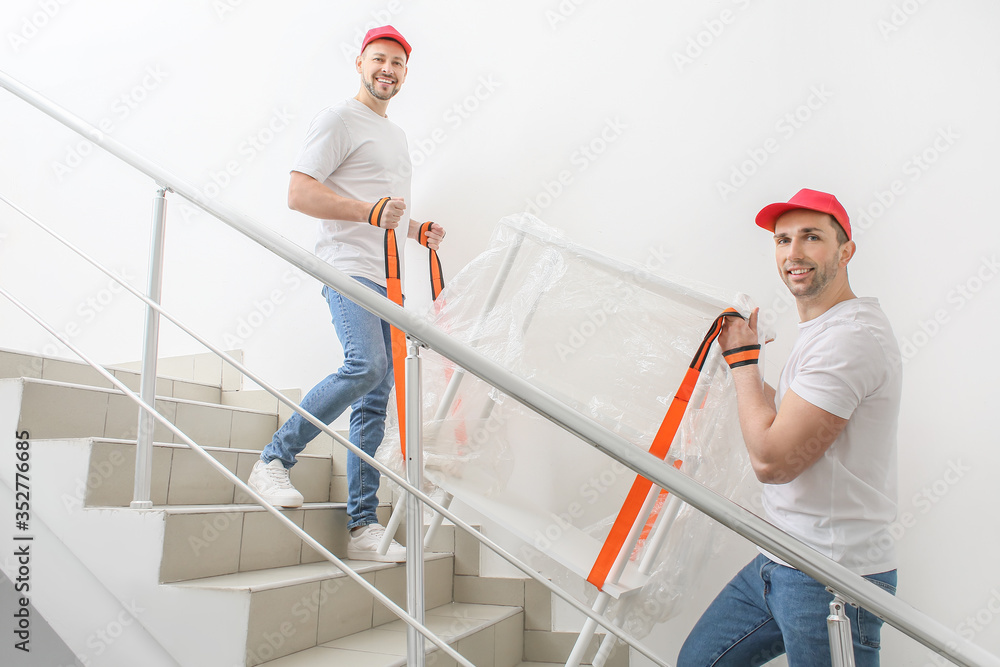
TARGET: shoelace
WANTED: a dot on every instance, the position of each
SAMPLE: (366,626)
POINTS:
(279,477)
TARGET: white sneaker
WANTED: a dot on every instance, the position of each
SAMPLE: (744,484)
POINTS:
(363,545)
(271,481)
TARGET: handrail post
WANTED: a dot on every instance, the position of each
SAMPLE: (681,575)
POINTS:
(841,642)
(142,495)
(414,506)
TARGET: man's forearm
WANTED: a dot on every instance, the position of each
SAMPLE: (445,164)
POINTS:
(309,196)
(756,412)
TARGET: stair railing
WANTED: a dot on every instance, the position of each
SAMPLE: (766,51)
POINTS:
(148,409)
(414,547)
(848,586)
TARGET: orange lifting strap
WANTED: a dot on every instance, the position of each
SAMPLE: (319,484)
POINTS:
(661,445)
(394,290)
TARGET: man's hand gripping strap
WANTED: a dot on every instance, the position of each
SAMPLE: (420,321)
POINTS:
(375,215)
(437,274)
(394,291)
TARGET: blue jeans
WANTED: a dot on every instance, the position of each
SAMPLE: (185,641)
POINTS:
(768,610)
(363,383)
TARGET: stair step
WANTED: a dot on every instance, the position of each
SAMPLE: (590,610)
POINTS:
(259,399)
(548,647)
(17,364)
(274,577)
(299,607)
(484,634)
(85,411)
(204,367)
(245,582)
(182,477)
(210,540)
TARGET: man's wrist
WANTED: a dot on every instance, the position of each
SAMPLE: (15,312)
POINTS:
(375,214)
(745,355)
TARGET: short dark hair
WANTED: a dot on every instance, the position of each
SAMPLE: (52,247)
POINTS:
(841,234)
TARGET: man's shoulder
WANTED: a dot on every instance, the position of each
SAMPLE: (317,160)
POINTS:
(859,326)
(339,110)
(858,314)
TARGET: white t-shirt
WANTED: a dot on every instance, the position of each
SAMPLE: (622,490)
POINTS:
(359,155)
(847,362)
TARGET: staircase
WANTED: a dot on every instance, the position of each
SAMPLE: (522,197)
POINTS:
(206,577)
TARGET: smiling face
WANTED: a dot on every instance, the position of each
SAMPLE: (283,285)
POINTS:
(382,66)
(811,259)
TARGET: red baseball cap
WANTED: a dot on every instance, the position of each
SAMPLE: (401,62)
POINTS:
(386,32)
(811,200)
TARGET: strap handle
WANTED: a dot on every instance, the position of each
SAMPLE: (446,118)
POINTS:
(394,291)
(661,445)
(437,273)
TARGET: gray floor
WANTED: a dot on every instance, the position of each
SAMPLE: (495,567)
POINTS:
(46,648)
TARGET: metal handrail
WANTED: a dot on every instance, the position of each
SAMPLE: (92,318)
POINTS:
(244,487)
(413,490)
(851,587)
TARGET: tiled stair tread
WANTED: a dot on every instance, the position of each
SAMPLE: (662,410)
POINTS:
(381,646)
(463,611)
(87,387)
(247,507)
(451,622)
(385,645)
(322,656)
(109,368)
(161,376)
(278,577)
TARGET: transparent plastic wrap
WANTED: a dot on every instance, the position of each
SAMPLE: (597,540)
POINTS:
(612,341)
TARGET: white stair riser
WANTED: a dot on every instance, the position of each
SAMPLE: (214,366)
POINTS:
(69,411)
(555,647)
(493,639)
(15,365)
(210,543)
(295,618)
(182,477)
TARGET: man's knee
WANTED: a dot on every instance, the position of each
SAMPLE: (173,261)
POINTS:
(367,372)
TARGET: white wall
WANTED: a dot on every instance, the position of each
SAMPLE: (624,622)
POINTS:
(620,122)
